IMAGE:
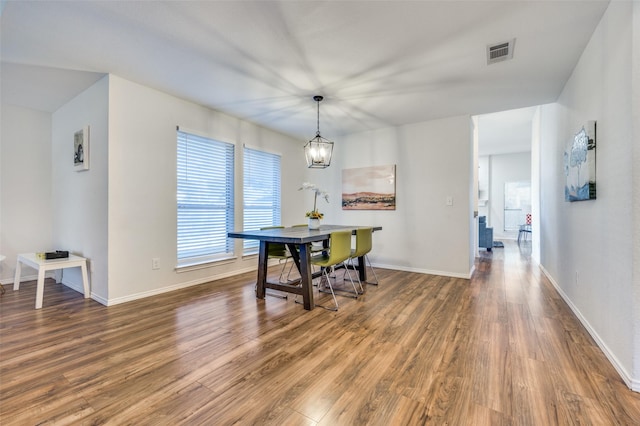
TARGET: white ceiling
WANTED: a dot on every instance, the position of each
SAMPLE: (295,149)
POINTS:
(378,63)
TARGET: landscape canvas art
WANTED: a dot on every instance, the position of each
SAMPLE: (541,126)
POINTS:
(369,188)
(580,165)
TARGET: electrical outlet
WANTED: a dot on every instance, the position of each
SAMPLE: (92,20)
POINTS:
(155,263)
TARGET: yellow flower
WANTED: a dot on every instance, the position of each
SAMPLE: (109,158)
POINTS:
(315,215)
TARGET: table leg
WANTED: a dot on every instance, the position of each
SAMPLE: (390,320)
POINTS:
(85,280)
(362,269)
(305,273)
(16,277)
(262,269)
(293,250)
(40,288)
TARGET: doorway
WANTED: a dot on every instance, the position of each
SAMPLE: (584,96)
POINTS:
(507,170)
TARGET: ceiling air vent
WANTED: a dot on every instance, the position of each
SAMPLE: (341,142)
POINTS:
(500,52)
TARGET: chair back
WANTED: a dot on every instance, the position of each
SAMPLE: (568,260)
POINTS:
(275,249)
(364,242)
(315,245)
(339,248)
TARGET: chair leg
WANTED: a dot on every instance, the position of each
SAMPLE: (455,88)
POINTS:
(325,275)
(366,260)
(291,265)
(290,269)
(355,290)
(284,268)
(342,291)
(351,265)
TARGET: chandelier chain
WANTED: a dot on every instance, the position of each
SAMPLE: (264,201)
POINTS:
(318,131)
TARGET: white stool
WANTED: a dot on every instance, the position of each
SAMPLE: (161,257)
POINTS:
(44,265)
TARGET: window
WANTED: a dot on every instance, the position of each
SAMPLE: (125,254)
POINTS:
(261,193)
(517,203)
(204,199)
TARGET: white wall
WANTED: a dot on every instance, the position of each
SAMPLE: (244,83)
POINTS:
(79,204)
(433,160)
(25,187)
(535,185)
(484,184)
(587,247)
(635,107)
(142,186)
(121,212)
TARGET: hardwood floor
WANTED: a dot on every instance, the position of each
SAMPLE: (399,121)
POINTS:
(501,349)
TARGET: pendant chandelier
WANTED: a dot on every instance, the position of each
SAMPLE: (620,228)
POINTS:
(318,150)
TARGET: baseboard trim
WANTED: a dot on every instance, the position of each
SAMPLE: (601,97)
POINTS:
(425,271)
(129,298)
(78,287)
(144,294)
(632,383)
(174,287)
(25,278)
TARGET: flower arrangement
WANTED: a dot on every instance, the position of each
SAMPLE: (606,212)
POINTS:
(315,214)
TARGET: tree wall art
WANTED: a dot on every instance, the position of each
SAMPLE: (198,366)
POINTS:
(580,165)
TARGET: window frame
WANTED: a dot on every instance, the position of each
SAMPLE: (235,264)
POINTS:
(204,202)
(252,154)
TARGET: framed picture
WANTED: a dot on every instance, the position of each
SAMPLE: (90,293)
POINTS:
(580,165)
(369,188)
(81,149)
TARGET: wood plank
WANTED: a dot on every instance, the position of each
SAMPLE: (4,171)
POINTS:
(499,349)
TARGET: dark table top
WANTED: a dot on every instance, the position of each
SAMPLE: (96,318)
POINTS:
(297,235)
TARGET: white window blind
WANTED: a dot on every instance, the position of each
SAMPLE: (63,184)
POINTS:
(261,193)
(204,199)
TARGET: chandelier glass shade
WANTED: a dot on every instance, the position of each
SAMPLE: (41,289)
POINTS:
(318,150)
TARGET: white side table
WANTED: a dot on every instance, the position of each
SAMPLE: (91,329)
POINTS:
(44,265)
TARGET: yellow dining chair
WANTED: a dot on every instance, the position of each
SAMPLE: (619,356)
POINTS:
(364,244)
(339,251)
(280,252)
(316,245)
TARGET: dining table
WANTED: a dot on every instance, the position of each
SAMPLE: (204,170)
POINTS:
(298,241)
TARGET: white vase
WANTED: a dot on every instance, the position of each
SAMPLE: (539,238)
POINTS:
(314,223)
